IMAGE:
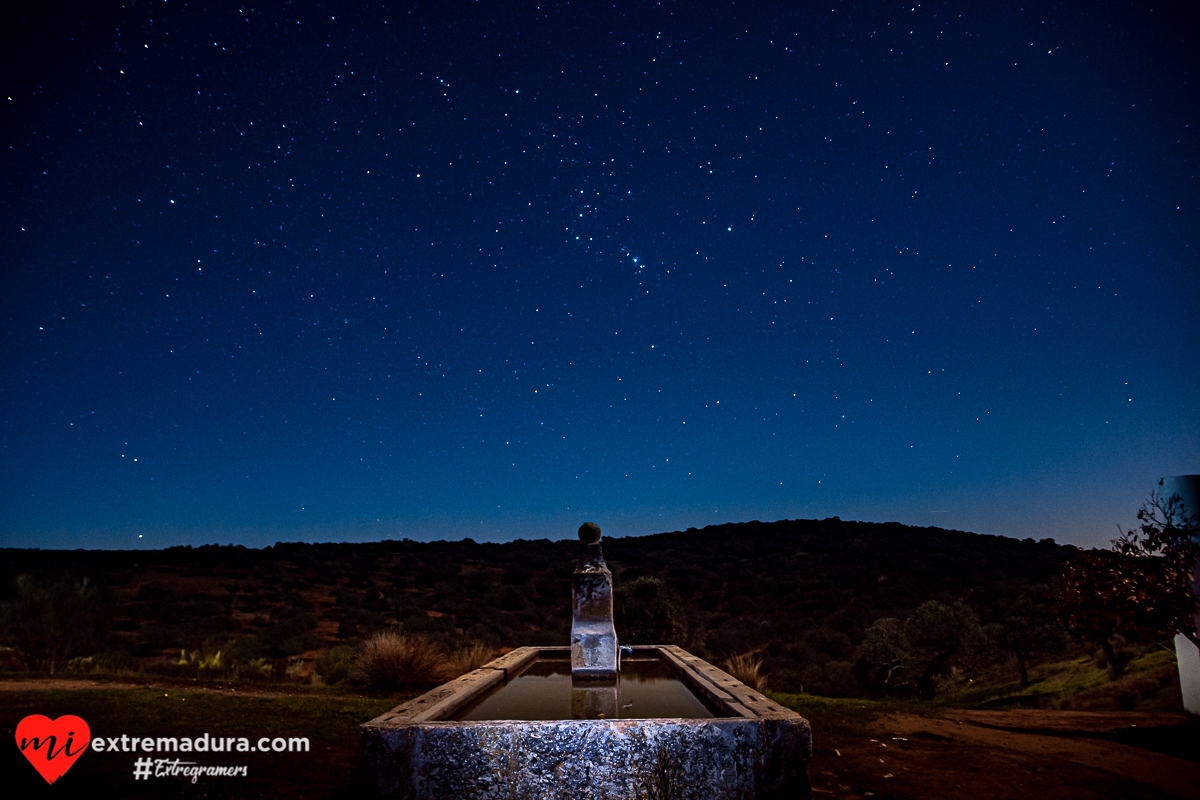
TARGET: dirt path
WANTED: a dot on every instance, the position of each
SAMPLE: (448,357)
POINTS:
(985,755)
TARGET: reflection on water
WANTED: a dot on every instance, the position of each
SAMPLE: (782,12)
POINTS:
(644,689)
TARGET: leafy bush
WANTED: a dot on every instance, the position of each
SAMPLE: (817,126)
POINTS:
(244,649)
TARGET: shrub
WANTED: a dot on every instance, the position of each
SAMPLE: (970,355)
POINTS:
(243,650)
(398,661)
(334,665)
(257,668)
(116,661)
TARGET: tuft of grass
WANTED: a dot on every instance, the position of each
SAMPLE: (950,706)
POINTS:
(465,659)
(746,667)
(391,661)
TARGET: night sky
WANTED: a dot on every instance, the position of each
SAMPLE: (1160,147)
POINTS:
(445,270)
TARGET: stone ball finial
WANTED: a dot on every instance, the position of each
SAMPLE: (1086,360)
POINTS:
(589,533)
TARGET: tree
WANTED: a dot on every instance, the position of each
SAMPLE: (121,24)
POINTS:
(1168,532)
(882,654)
(1029,630)
(934,638)
(938,636)
(1141,588)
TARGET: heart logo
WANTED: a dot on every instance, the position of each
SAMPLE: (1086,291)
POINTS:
(52,745)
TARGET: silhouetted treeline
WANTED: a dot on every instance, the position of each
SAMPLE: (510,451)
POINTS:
(802,593)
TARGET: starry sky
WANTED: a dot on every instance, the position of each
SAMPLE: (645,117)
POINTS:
(297,271)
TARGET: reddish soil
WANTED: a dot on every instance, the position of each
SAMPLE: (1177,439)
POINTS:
(996,755)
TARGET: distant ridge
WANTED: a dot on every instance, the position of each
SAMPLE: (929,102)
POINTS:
(745,585)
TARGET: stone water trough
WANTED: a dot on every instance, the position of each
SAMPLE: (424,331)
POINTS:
(590,720)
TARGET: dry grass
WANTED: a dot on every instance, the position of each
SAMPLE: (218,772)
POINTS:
(746,668)
(397,661)
(392,660)
(465,659)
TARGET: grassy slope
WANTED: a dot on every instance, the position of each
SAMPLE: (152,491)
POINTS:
(1149,682)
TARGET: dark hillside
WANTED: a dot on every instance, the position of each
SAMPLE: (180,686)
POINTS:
(800,592)
(797,574)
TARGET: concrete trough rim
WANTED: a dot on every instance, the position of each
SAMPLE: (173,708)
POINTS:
(755,749)
(716,688)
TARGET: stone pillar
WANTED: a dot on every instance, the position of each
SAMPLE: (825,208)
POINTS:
(1186,654)
(593,637)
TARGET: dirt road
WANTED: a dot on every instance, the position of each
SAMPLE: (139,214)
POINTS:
(996,755)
